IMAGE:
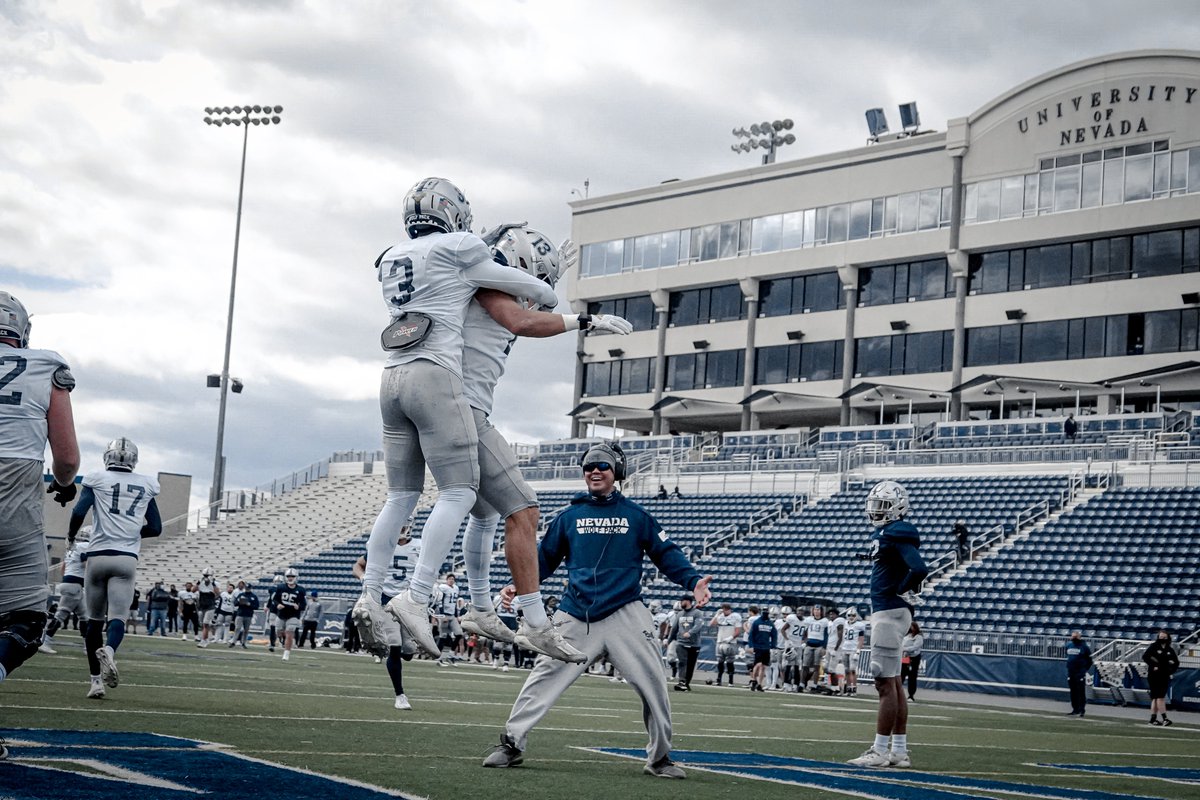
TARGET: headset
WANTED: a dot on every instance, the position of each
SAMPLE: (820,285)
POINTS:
(614,452)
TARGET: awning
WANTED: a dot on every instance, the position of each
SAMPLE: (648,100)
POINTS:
(986,386)
(1171,377)
(871,394)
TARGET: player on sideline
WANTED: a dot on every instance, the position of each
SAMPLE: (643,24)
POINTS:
(729,627)
(123,513)
(604,538)
(289,599)
(35,408)
(427,283)
(851,642)
(896,575)
(70,590)
(391,640)
(493,323)
(207,598)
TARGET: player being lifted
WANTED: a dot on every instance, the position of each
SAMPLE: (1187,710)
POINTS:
(35,408)
(427,283)
(493,323)
(123,513)
(896,575)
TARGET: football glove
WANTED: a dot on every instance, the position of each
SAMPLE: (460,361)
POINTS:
(568,256)
(491,237)
(62,494)
(610,323)
(912,598)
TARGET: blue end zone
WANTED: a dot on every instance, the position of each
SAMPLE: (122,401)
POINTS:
(90,765)
(886,784)
(1180,774)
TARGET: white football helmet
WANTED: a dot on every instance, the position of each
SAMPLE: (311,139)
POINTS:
(529,251)
(887,502)
(277,579)
(852,613)
(655,606)
(291,575)
(14,319)
(786,611)
(435,204)
(774,612)
(83,534)
(121,454)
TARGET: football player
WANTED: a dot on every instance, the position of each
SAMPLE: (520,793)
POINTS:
(35,408)
(187,611)
(207,595)
(833,659)
(852,642)
(123,513)
(246,602)
(729,627)
(494,322)
(391,640)
(445,612)
(793,643)
(290,599)
(272,617)
(775,670)
(223,620)
(427,283)
(70,590)
(816,639)
(896,575)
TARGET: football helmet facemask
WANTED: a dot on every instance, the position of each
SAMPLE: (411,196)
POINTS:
(886,502)
(121,454)
(435,204)
(291,575)
(14,320)
(531,252)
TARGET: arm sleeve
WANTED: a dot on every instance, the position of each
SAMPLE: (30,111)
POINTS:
(552,549)
(87,499)
(153,526)
(490,275)
(917,570)
(668,556)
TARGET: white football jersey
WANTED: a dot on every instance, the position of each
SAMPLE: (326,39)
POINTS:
(660,618)
(726,625)
(226,604)
(26,379)
(119,511)
(73,561)
(853,631)
(486,345)
(795,629)
(445,600)
(816,631)
(404,560)
(836,627)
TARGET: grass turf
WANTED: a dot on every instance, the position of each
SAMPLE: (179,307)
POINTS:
(332,713)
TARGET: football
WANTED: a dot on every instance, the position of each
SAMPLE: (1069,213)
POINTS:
(708,681)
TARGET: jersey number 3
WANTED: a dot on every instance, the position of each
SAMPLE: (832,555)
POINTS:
(404,288)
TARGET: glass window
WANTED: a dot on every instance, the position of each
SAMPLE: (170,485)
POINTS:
(946,200)
(1139,175)
(1066,188)
(1048,266)
(635,375)
(1012,197)
(1081,262)
(1075,335)
(1090,191)
(873,356)
(1093,337)
(743,237)
(983,346)
(927,279)
(1116,332)
(892,204)
(771,364)
(909,212)
(640,313)
(627,259)
(1162,332)
(596,378)
(1045,190)
(729,240)
(615,251)
(1044,341)
(900,292)
(1009,348)
(725,303)
(877,206)
(651,251)
(820,361)
(1189,329)
(994,272)
(822,292)
(685,308)
(923,353)
(681,372)
(930,205)
(586,256)
(1159,253)
(710,243)
(776,299)
(1191,249)
(1017,271)
(1114,182)
(1031,194)
(860,219)
(793,230)
(820,225)
(875,286)
(989,201)
(1162,173)
(766,235)
(723,368)
(971,202)
(838,219)
(1194,170)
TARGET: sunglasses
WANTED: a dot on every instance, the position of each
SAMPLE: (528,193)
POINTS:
(603,466)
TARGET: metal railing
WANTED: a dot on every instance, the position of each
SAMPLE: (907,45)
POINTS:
(735,532)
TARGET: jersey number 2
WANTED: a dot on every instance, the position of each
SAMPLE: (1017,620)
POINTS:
(138,491)
(12,398)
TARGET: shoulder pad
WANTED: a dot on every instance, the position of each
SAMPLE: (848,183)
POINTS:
(63,379)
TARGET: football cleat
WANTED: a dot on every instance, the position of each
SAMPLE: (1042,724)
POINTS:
(871,758)
(414,617)
(108,667)
(664,768)
(97,690)
(402,703)
(287,654)
(487,624)
(549,642)
(899,760)
(45,647)
(371,620)
(504,754)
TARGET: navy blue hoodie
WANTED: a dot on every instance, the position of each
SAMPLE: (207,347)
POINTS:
(899,567)
(603,540)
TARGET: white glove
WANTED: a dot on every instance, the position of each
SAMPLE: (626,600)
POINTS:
(568,256)
(912,598)
(610,323)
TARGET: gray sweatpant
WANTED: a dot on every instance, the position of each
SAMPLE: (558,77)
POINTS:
(626,639)
(108,586)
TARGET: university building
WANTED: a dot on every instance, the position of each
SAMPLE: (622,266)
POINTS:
(1038,257)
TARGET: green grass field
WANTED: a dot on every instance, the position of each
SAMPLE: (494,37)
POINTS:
(332,714)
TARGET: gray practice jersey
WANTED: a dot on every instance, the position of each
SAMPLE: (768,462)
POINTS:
(486,345)
(437,275)
(119,511)
(26,378)
(73,561)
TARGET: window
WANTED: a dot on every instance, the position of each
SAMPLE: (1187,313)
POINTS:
(771,364)
(1158,253)
(723,368)
(681,372)
(684,308)
(822,292)
(819,291)
(1162,331)
(1044,341)
(725,303)
(775,297)
(638,310)
(873,356)
(766,234)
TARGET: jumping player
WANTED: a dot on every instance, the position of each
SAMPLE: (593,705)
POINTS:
(35,408)
(123,513)
(896,575)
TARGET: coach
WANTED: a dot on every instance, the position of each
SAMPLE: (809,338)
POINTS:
(603,538)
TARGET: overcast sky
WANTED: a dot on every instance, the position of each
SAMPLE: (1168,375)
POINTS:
(117,202)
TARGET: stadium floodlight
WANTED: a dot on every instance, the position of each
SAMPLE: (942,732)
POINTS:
(876,123)
(245,118)
(766,135)
(910,120)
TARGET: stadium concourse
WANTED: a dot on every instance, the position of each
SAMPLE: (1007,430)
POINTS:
(1094,534)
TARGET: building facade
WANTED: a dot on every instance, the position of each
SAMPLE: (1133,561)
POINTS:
(1043,251)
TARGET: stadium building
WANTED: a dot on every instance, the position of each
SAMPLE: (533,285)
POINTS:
(1038,257)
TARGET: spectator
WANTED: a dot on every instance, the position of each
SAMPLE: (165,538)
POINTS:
(763,638)
(309,622)
(662,492)
(188,611)
(602,612)
(156,607)
(1162,662)
(245,604)
(910,662)
(1070,427)
(675,493)
(350,641)
(173,610)
(962,536)
(134,606)
(1079,661)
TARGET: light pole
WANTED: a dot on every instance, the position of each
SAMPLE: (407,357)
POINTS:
(772,137)
(243,116)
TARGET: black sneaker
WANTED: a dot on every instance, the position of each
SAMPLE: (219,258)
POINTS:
(664,768)
(504,754)
(679,687)
(1167,722)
